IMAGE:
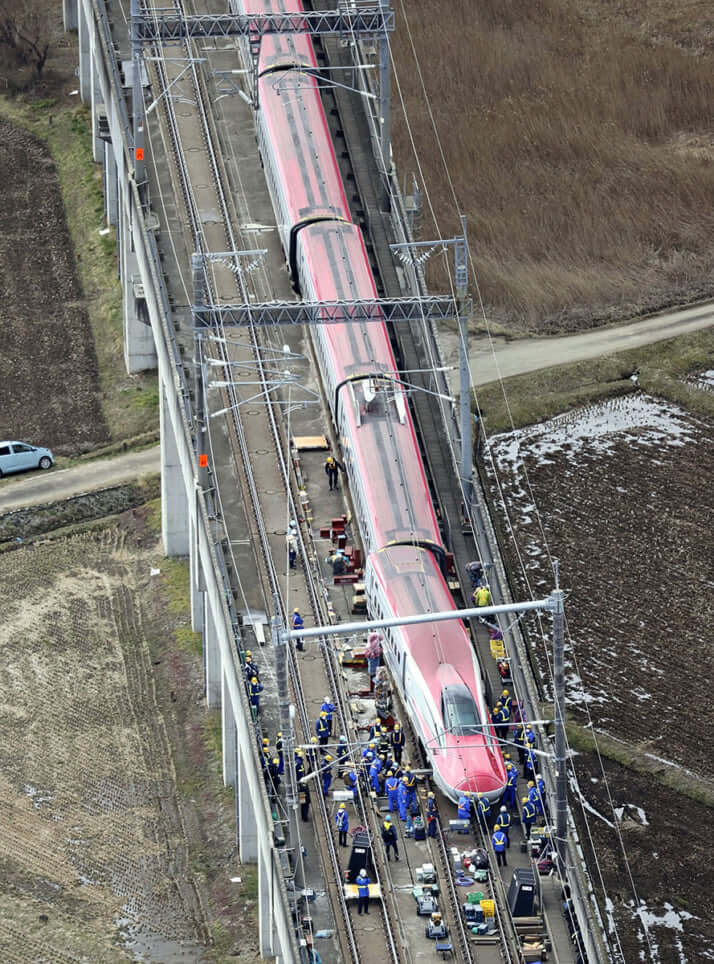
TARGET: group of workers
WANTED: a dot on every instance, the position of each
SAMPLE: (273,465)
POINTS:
(379,763)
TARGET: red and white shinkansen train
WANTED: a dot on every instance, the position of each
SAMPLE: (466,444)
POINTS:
(433,664)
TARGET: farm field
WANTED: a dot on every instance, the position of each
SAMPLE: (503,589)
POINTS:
(119,839)
(61,298)
(619,492)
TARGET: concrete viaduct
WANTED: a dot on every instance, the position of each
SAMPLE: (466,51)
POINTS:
(149,343)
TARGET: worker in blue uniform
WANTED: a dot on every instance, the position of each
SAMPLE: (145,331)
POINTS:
(279,751)
(402,798)
(464,806)
(397,741)
(391,785)
(503,821)
(431,815)
(328,707)
(321,729)
(509,794)
(256,688)
(351,780)
(541,805)
(374,772)
(299,764)
(374,732)
(368,754)
(410,783)
(533,794)
(530,738)
(528,816)
(326,775)
(520,740)
(297,622)
(500,842)
(273,773)
(504,715)
(343,752)
(389,836)
(342,822)
(312,758)
(250,668)
(363,883)
(529,765)
(483,810)
(507,701)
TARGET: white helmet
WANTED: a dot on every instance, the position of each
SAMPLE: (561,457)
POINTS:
(363,872)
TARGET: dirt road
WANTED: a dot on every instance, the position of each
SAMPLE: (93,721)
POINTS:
(39,488)
(489,358)
(497,357)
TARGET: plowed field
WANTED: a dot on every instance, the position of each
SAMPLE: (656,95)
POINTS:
(118,839)
(621,494)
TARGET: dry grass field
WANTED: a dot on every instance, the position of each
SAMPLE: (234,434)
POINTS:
(578,141)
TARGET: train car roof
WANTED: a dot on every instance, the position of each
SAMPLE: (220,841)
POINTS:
(301,146)
(381,428)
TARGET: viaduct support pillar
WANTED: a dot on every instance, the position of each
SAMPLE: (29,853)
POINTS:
(70,14)
(174,504)
(85,59)
(247,826)
(198,601)
(139,351)
(111,187)
(230,736)
(265,902)
(211,660)
(97,108)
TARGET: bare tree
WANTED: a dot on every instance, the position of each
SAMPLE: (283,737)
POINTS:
(25,32)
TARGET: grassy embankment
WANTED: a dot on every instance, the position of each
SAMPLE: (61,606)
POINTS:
(129,402)
(579,142)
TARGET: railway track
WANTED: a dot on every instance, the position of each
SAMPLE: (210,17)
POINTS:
(224,283)
(355,948)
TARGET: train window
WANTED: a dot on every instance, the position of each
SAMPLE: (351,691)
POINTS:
(459,711)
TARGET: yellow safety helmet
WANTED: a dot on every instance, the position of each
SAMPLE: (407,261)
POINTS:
(328,758)
(524,799)
(341,806)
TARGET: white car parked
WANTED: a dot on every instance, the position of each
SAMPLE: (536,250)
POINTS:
(19,456)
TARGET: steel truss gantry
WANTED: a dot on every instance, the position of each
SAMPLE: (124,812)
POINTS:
(429,308)
(353,20)
(165,27)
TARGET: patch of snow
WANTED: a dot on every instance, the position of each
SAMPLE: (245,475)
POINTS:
(596,429)
(641,815)
(586,805)
(704,380)
(671,919)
